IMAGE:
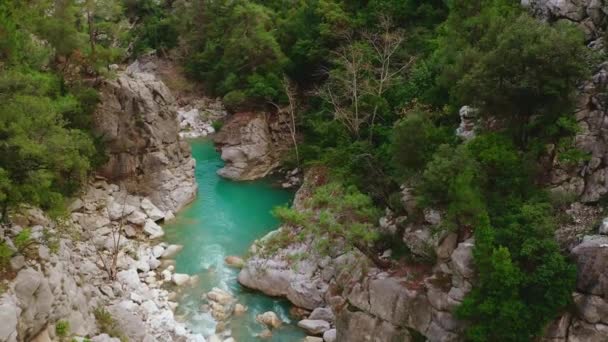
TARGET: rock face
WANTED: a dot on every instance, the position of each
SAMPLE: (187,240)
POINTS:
(468,120)
(589,14)
(138,121)
(361,302)
(68,282)
(251,145)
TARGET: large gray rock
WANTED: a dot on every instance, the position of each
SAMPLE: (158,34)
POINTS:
(138,120)
(35,299)
(251,145)
(9,314)
(325,314)
(591,257)
(314,327)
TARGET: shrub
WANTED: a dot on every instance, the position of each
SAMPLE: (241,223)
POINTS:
(414,140)
(23,239)
(217,125)
(107,324)
(62,329)
(5,255)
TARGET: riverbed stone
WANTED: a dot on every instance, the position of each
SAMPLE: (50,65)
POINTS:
(234,261)
(270,319)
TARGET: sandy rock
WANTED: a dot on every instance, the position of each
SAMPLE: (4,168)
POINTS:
(265,334)
(234,261)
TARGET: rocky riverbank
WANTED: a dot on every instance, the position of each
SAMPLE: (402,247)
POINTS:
(69,274)
(98,274)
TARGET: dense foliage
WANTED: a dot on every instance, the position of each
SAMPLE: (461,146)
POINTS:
(383,81)
(46,51)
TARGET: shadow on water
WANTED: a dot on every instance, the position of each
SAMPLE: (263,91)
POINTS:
(224,220)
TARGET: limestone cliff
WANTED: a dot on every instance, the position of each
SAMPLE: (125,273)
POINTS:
(252,145)
(137,118)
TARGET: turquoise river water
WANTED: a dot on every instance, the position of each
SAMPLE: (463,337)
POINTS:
(224,220)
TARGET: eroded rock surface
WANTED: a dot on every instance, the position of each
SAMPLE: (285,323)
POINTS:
(138,121)
(251,145)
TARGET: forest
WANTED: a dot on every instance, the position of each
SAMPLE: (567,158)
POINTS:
(375,86)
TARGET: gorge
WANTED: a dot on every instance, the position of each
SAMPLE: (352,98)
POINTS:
(306,171)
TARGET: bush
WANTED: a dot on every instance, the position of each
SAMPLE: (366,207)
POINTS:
(235,100)
(530,69)
(108,325)
(523,279)
(414,140)
(217,125)
(5,255)
(23,239)
(62,329)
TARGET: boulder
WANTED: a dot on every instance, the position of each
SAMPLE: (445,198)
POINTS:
(239,309)
(249,146)
(462,259)
(325,314)
(151,210)
(234,261)
(314,327)
(220,296)
(171,251)
(180,279)
(17,262)
(270,319)
(153,230)
(591,257)
(330,335)
(313,339)
(35,298)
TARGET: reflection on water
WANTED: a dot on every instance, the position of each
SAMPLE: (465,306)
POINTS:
(224,220)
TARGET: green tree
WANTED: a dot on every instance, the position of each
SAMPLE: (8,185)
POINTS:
(529,70)
(41,159)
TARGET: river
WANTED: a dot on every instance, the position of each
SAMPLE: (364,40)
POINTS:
(224,220)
